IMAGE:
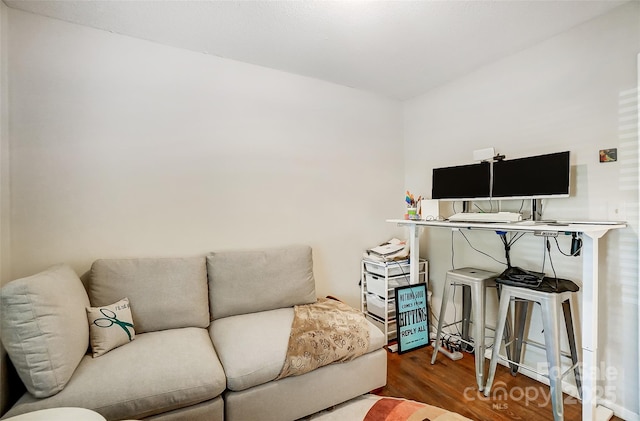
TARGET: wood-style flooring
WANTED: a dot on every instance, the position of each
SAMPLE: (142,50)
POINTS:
(452,385)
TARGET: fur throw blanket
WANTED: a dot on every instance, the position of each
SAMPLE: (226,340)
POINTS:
(322,333)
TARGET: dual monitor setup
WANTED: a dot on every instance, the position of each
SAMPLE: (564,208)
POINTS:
(530,178)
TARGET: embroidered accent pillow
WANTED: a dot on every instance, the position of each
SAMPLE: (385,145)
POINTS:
(110,326)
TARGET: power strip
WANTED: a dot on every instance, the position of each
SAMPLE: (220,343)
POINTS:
(545,233)
(455,356)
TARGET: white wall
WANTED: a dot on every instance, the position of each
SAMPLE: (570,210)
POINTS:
(638,147)
(4,181)
(122,147)
(576,92)
(4,145)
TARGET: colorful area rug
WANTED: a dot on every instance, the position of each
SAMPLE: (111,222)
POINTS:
(380,408)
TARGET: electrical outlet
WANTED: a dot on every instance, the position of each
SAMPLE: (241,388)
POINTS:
(545,233)
(617,211)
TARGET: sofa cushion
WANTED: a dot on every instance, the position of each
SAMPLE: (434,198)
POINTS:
(280,277)
(110,327)
(44,328)
(237,338)
(296,397)
(166,293)
(158,372)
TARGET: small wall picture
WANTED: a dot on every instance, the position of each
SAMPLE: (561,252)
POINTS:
(608,155)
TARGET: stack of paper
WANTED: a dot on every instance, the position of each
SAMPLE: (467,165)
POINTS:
(394,249)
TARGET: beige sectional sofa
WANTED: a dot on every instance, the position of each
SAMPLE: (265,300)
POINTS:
(211,336)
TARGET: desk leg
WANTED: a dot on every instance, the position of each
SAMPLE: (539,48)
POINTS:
(590,411)
(414,255)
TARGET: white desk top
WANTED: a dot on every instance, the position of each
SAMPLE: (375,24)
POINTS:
(526,226)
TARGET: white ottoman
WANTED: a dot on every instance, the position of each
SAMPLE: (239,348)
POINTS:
(59,414)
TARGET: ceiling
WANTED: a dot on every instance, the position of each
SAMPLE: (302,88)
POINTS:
(398,49)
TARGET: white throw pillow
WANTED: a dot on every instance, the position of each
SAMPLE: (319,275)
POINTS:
(44,328)
(110,326)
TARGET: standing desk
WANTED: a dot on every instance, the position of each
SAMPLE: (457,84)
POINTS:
(589,290)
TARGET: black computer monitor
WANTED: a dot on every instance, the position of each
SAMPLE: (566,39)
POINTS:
(534,177)
(464,182)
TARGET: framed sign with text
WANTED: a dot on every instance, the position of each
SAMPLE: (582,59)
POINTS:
(412,317)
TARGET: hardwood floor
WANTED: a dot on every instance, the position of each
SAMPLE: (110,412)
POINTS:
(451,385)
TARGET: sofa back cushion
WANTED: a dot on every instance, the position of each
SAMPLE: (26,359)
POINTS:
(249,281)
(44,328)
(164,293)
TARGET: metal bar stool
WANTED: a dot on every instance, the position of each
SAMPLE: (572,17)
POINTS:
(554,296)
(474,283)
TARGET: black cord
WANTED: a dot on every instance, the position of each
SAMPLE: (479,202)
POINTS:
(544,256)
(444,334)
(455,310)
(482,210)
(507,248)
(539,212)
(453,252)
(453,267)
(479,251)
(577,252)
(453,298)
(516,237)
(508,243)
(551,261)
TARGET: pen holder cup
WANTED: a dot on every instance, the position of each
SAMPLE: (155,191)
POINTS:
(412,214)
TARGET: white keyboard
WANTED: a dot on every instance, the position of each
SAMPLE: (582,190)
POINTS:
(486,217)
